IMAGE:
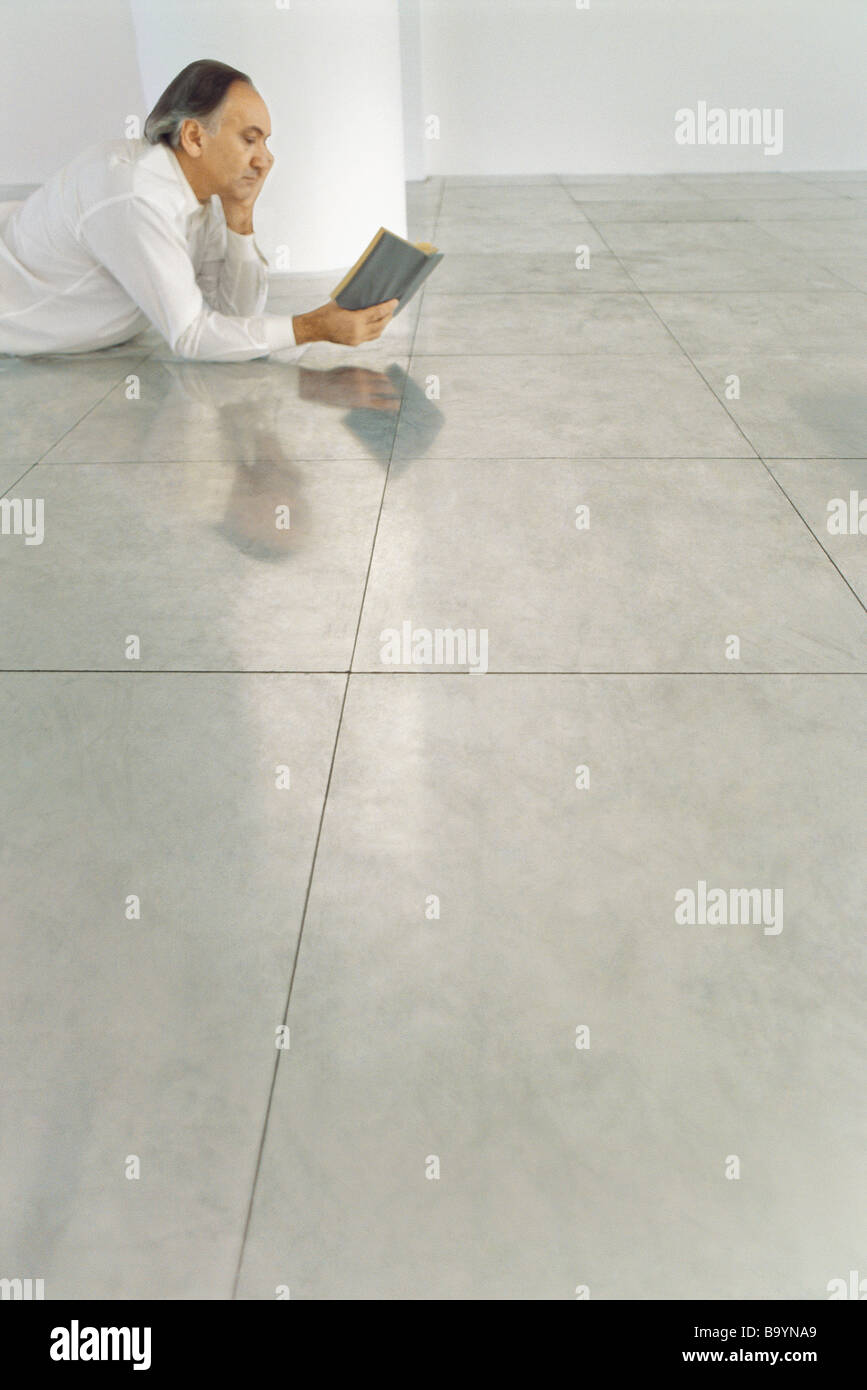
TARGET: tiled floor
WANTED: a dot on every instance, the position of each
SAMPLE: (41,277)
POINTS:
(620,482)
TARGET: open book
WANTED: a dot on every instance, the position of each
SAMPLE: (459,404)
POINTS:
(389,268)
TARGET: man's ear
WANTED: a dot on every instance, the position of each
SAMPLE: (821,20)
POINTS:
(191,137)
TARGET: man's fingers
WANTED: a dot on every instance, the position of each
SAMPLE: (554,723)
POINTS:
(372,321)
(382,311)
(354,326)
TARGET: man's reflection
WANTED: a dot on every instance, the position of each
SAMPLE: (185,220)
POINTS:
(246,407)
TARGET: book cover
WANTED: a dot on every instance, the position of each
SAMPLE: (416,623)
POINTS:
(389,268)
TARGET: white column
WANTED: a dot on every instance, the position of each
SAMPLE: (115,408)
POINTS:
(329,72)
(415,152)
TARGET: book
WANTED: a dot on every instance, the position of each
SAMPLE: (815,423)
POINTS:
(389,268)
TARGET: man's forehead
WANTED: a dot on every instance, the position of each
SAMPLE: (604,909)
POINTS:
(246,107)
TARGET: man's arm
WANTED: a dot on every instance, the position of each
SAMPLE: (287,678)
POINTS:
(329,323)
(144,253)
(234,273)
(234,281)
(139,246)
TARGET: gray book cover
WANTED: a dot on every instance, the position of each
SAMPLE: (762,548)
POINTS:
(389,268)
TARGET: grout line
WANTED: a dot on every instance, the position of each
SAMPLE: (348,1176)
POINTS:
(623,290)
(675,339)
(738,426)
(370,671)
(276,1064)
(300,937)
(823,549)
(27,469)
(461,458)
(138,361)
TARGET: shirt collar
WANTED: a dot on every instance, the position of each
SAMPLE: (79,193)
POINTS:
(191,202)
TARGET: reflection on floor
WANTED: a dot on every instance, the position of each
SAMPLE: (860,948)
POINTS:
(431,863)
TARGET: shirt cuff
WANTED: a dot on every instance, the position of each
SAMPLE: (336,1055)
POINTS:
(279,332)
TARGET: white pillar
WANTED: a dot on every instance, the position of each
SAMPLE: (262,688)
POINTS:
(329,72)
(414,144)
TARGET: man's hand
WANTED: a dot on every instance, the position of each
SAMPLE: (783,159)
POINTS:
(238,208)
(331,324)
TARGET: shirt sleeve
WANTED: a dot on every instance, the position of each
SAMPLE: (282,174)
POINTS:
(234,274)
(148,257)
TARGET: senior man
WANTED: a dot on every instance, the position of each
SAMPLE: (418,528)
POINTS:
(160,230)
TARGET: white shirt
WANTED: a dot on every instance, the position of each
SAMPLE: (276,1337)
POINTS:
(116,239)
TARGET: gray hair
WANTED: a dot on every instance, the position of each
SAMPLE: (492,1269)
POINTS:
(197,93)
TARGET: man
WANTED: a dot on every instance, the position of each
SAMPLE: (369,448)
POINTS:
(161,230)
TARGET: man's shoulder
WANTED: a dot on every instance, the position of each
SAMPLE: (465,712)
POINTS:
(127,168)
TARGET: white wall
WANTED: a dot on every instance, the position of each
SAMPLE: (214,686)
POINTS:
(68,79)
(329,71)
(520,86)
(412,85)
(540,86)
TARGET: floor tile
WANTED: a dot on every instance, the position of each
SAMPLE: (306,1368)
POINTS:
(648,210)
(191,561)
(543,324)
(796,406)
(422,228)
(10,473)
(811,321)
(713,256)
(849,267)
(514,201)
(498,180)
(853,176)
(594,188)
(454,1038)
(243,412)
(525,273)
(476,234)
(571,407)
(42,399)
(152,1037)
(721,238)
(831,495)
(816,238)
(773,184)
(856,187)
(805,209)
(677,557)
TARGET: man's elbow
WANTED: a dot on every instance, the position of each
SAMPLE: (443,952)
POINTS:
(188,344)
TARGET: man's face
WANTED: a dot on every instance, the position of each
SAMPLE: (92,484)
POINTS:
(235,160)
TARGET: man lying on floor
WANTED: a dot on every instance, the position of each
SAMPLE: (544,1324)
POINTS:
(131,231)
